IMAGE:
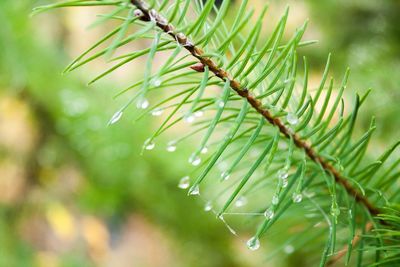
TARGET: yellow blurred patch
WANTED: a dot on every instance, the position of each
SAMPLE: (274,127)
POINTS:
(61,221)
(96,235)
(46,259)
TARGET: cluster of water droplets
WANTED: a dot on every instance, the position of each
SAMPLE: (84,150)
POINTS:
(283,176)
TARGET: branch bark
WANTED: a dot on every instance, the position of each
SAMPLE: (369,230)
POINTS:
(149,14)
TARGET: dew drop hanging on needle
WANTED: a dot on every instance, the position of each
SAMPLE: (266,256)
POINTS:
(157,112)
(171,147)
(195,191)
(184,182)
(149,144)
(142,103)
(116,117)
(194,160)
(189,118)
(253,243)
(208,206)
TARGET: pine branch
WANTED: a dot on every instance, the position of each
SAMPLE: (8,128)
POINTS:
(149,14)
(261,76)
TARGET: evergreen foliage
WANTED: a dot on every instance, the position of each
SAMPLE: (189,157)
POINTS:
(272,151)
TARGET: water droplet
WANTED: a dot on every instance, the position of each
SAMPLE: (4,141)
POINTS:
(157,112)
(189,118)
(116,117)
(269,213)
(142,103)
(289,249)
(225,175)
(149,144)
(241,201)
(220,103)
(297,197)
(184,183)
(194,191)
(275,200)
(198,114)
(194,160)
(157,82)
(204,150)
(292,118)
(208,206)
(171,147)
(283,174)
(285,182)
(253,243)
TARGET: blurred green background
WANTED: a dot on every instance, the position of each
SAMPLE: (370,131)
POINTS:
(76,192)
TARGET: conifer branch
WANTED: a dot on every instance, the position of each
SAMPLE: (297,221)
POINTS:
(146,13)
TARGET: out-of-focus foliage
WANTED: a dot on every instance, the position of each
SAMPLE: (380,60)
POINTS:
(365,36)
